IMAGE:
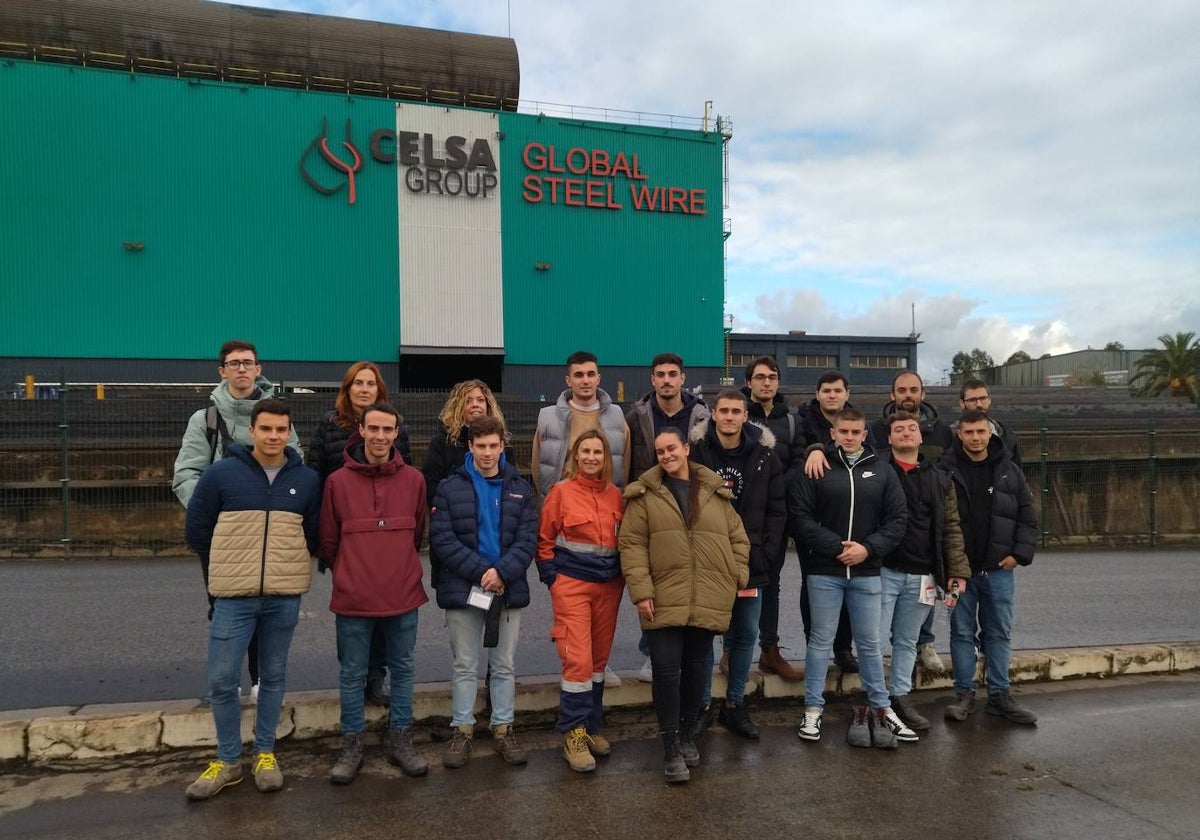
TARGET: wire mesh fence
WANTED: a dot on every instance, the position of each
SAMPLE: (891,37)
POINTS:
(81,475)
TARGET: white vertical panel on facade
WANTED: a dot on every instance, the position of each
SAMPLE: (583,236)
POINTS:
(447,164)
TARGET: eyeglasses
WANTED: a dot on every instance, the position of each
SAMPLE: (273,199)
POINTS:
(765,377)
(983,399)
(241,364)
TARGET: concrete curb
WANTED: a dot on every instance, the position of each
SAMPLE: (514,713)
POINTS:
(85,735)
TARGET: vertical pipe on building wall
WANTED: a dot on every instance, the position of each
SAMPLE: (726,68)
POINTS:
(29,386)
(1152,435)
(1045,478)
(64,457)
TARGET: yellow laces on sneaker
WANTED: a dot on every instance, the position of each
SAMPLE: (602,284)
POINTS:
(266,761)
(214,770)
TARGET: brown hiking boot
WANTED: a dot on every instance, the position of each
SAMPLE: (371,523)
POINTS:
(770,661)
(507,746)
(458,751)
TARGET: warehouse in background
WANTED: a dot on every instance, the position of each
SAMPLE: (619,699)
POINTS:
(332,189)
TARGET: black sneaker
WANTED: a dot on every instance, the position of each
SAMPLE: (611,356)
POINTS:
(1005,706)
(845,661)
(704,719)
(736,718)
(903,707)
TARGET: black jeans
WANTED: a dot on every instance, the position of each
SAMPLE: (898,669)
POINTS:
(843,638)
(679,656)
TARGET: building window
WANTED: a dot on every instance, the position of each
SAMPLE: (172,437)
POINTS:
(888,362)
(812,361)
(742,359)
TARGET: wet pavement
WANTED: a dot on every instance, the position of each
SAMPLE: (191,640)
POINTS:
(1108,760)
(109,631)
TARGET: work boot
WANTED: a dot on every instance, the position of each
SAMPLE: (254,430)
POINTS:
(963,705)
(674,767)
(771,661)
(598,745)
(704,719)
(376,693)
(576,752)
(723,665)
(268,778)
(904,708)
(458,751)
(859,733)
(845,661)
(882,733)
(736,718)
(927,655)
(1006,706)
(401,753)
(345,769)
(687,743)
(505,744)
(215,778)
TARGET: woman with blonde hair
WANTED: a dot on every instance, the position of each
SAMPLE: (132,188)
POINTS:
(447,450)
(577,559)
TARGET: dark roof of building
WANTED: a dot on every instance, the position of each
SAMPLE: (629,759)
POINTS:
(197,38)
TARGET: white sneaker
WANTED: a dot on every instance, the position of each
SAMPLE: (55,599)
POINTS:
(810,726)
(646,674)
(610,677)
(929,659)
(899,728)
(253,697)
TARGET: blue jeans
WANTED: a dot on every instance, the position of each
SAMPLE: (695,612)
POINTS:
(988,600)
(355,640)
(739,642)
(234,621)
(861,595)
(900,617)
(466,642)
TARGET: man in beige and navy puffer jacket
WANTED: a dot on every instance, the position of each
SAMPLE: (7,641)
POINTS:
(254,520)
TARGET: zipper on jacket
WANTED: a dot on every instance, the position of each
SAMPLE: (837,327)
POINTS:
(850,470)
(262,566)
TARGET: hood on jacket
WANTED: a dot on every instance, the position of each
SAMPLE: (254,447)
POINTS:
(246,453)
(565,397)
(927,415)
(752,433)
(263,390)
(355,458)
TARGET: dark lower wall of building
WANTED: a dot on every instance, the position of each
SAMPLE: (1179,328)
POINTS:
(623,384)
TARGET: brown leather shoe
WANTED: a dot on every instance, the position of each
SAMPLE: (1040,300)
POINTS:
(770,661)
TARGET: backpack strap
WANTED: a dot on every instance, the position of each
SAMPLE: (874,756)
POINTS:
(215,428)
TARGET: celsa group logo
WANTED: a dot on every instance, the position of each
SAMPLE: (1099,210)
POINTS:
(319,148)
(451,166)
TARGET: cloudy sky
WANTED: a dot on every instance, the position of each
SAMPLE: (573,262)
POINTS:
(1027,174)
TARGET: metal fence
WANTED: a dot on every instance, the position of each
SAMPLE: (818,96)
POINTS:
(84,475)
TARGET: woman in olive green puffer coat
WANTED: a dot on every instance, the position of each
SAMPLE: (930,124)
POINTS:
(684,555)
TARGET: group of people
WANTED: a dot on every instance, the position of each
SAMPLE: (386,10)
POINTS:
(688,507)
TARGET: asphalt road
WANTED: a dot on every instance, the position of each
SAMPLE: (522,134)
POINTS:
(1112,760)
(107,631)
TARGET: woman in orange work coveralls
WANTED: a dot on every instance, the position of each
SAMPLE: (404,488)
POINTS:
(578,561)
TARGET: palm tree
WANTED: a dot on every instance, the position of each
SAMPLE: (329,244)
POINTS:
(1174,368)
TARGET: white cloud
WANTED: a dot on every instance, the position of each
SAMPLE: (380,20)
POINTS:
(1024,171)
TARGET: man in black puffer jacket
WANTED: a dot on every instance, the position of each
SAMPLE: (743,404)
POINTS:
(1000,532)
(743,455)
(846,522)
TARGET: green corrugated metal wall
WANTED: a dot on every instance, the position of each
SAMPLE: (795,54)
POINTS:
(626,284)
(206,176)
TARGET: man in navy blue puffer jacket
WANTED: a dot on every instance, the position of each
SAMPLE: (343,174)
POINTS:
(484,528)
